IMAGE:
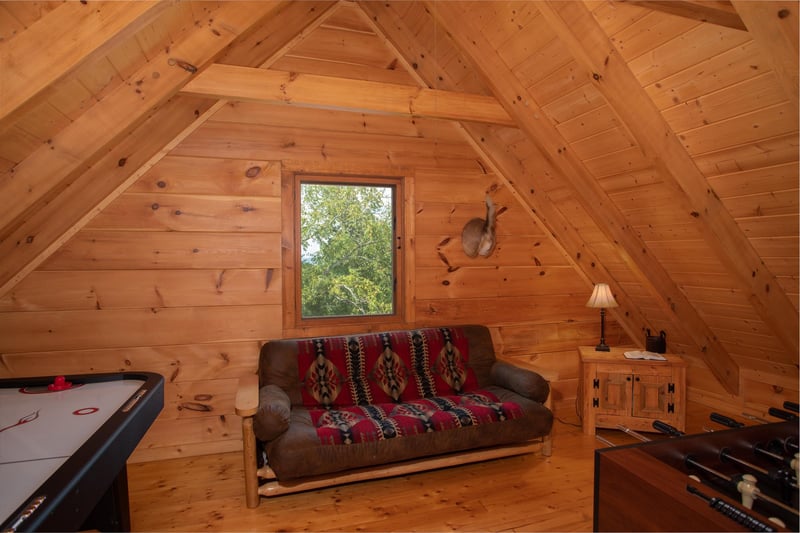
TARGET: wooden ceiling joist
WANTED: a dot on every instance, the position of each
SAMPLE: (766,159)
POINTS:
(610,74)
(530,118)
(309,90)
(91,31)
(718,12)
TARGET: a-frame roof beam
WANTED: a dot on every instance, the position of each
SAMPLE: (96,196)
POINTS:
(311,90)
(55,46)
(591,48)
(719,13)
(514,97)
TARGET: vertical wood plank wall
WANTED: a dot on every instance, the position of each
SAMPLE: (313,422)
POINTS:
(182,273)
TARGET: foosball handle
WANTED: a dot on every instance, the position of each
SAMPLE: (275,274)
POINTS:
(791,406)
(780,413)
(721,506)
(725,421)
(667,429)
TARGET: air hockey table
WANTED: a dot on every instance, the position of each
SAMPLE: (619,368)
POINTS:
(64,443)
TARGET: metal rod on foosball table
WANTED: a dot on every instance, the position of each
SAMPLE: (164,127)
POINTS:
(791,446)
(604,441)
(755,418)
(746,486)
(793,462)
(782,476)
(632,433)
(759,449)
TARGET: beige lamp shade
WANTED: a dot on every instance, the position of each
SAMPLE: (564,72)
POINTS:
(601,297)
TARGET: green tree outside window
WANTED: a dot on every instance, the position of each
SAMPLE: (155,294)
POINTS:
(346,236)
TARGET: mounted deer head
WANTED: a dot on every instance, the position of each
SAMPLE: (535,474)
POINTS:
(477,237)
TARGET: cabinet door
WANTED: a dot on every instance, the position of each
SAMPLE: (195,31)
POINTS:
(650,396)
(614,393)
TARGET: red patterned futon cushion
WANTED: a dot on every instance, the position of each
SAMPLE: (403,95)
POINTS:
(384,367)
(369,423)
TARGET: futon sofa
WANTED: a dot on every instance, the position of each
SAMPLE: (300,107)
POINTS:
(331,410)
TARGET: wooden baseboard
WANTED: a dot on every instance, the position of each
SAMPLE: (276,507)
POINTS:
(275,487)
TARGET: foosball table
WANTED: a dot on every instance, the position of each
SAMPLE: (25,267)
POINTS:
(739,479)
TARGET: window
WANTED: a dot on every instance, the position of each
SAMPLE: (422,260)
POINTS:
(347,248)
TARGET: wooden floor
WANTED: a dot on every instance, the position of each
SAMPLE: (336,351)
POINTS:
(527,493)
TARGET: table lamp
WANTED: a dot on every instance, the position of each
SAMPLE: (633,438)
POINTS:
(601,297)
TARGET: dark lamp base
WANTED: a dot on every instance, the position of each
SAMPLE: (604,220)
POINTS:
(602,348)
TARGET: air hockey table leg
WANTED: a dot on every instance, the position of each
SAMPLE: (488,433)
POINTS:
(112,512)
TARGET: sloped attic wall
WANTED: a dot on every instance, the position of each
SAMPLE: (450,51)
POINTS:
(100,272)
(647,114)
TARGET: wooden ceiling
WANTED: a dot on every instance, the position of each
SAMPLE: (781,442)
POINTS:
(655,141)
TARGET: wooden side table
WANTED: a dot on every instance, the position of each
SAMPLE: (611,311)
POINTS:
(630,392)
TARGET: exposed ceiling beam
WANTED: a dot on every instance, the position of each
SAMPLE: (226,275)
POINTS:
(55,46)
(310,90)
(720,13)
(531,119)
(698,204)
(32,240)
(774,27)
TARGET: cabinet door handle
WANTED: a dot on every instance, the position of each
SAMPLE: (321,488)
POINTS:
(637,378)
(628,378)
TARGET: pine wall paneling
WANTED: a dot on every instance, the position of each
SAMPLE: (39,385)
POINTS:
(182,271)
(186,261)
(185,281)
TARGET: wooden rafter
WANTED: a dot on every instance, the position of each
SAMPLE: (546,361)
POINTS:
(591,48)
(716,12)
(89,32)
(520,105)
(29,243)
(310,90)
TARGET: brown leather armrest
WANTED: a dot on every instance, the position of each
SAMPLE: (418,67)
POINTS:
(521,380)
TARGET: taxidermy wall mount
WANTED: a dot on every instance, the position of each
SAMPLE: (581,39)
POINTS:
(477,237)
